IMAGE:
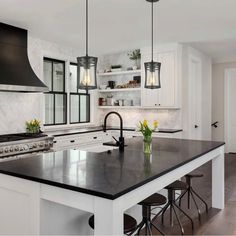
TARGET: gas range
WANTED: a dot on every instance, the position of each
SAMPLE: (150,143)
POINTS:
(12,145)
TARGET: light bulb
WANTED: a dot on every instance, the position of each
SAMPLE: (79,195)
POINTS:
(86,77)
(152,79)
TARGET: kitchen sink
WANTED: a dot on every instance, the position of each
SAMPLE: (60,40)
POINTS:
(98,148)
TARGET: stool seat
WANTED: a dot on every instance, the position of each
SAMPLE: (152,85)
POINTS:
(177,185)
(154,200)
(129,223)
(194,175)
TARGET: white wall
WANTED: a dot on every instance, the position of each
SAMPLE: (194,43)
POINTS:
(16,108)
(206,90)
(218,73)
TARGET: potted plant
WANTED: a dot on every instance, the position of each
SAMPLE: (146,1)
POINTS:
(135,56)
(33,126)
(147,135)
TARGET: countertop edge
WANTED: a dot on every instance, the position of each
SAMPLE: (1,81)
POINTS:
(99,194)
(170,131)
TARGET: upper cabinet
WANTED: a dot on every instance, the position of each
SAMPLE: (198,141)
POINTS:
(167,97)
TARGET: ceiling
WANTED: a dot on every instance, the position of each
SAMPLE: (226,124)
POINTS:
(117,25)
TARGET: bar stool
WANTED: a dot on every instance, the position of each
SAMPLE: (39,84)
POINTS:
(177,185)
(154,200)
(130,224)
(191,192)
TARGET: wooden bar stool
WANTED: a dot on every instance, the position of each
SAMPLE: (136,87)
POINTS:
(154,200)
(191,192)
(171,204)
(130,224)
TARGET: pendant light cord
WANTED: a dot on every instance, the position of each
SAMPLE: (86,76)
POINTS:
(152,29)
(86,27)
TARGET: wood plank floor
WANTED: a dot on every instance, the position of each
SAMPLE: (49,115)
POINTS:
(216,222)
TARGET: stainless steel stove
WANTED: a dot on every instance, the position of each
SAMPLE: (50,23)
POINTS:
(14,145)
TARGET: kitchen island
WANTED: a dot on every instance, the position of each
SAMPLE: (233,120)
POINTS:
(105,184)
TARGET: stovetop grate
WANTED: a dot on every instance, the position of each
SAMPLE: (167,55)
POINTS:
(20,136)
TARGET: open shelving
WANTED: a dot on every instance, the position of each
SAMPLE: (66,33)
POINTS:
(119,107)
(127,72)
(119,90)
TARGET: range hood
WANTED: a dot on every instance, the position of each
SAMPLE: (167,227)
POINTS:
(16,74)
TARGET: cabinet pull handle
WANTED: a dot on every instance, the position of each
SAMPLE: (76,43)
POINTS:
(54,141)
(72,141)
(95,137)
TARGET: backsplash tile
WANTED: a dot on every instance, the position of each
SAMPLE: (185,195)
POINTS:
(131,117)
(16,108)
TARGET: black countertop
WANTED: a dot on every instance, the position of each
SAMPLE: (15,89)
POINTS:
(108,175)
(100,128)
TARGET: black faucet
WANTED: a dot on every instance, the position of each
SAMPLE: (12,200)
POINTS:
(121,142)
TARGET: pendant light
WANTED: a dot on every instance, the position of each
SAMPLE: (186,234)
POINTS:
(87,66)
(152,68)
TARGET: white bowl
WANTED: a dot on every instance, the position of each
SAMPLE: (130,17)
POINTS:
(103,87)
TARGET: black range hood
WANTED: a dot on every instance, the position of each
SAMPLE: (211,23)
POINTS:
(16,74)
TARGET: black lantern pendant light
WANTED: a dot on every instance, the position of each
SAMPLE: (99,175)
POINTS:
(152,68)
(87,66)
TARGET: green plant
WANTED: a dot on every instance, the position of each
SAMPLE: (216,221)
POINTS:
(135,55)
(33,126)
(147,135)
(146,130)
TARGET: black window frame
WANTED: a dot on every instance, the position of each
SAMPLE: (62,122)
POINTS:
(54,93)
(80,94)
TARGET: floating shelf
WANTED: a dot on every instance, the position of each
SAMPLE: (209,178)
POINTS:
(119,107)
(127,72)
(119,90)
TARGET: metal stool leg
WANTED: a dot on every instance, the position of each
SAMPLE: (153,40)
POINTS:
(179,222)
(180,198)
(200,199)
(185,214)
(140,227)
(163,212)
(198,210)
(157,229)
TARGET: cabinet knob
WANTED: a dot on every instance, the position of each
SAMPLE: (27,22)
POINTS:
(196,126)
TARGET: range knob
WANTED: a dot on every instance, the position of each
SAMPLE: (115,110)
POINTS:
(16,148)
(6,150)
(11,149)
(26,147)
(35,145)
(1,151)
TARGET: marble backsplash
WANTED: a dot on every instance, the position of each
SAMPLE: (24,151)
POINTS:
(131,117)
(16,108)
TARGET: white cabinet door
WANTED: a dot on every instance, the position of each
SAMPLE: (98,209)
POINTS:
(165,96)
(168,79)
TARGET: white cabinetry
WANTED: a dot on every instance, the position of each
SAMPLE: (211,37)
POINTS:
(168,95)
(80,140)
(93,139)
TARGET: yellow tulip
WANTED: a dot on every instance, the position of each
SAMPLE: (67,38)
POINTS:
(145,123)
(155,124)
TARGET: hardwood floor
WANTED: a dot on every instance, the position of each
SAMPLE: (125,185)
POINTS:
(216,222)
